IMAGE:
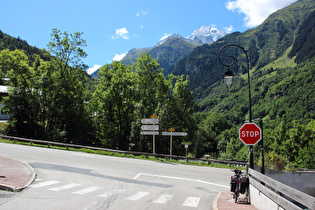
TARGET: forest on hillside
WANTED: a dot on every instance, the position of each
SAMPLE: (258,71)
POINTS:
(55,99)
(51,96)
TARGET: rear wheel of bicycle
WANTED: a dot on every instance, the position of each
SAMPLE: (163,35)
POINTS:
(246,195)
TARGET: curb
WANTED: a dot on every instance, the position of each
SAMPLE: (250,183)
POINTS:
(18,189)
(215,201)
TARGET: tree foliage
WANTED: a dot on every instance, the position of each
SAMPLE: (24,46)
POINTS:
(46,98)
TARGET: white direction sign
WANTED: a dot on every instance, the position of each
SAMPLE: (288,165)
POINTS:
(150,127)
(150,121)
(174,133)
(149,133)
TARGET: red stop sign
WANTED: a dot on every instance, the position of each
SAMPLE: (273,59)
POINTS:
(250,133)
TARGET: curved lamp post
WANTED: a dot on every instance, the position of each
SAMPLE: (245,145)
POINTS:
(228,79)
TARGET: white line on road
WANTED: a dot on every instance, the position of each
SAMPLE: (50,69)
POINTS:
(179,178)
(87,190)
(137,196)
(163,199)
(64,187)
(108,194)
(191,202)
(44,184)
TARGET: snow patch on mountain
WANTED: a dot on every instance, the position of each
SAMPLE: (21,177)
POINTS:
(206,34)
(203,35)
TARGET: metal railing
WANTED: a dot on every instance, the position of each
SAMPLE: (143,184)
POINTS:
(283,195)
(176,157)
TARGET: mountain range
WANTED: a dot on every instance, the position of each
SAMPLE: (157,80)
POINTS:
(281,59)
(268,44)
(175,47)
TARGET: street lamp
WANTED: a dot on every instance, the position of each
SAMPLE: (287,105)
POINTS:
(228,77)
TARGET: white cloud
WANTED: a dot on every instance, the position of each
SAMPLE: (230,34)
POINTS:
(121,33)
(256,11)
(229,29)
(142,13)
(165,36)
(93,69)
(119,57)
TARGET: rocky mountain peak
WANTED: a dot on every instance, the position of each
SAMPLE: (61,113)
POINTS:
(206,34)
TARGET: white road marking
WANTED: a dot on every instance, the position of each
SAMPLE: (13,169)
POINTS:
(84,154)
(44,184)
(87,190)
(64,187)
(191,202)
(137,196)
(163,199)
(108,194)
(180,178)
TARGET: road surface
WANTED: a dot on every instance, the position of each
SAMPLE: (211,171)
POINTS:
(75,180)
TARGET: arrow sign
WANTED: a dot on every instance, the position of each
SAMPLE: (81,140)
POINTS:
(150,127)
(149,133)
(174,133)
(150,121)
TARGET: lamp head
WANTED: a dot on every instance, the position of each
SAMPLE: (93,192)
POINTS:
(228,78)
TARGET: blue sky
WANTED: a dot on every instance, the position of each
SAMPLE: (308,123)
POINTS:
(113,27)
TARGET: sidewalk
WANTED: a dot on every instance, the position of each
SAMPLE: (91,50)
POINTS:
(225,201)
(15,175)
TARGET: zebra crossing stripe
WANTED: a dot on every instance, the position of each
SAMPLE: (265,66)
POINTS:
(44,184)
(163,199)
(191,202)
(64,187)
(137,196)
(87,190)
(108,194)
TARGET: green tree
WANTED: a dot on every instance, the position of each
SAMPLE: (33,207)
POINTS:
(235,148)
(46,99)
(209,130)
(67,91)
(151,92)
(67,50)
(114,105)
(22,102)
(178,109)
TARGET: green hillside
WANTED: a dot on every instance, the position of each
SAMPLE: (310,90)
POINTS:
(282,73)
(167,54)
(268,46)
(11,43)
(107,111)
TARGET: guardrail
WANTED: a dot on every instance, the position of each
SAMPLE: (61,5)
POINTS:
(228,162)
(281,194)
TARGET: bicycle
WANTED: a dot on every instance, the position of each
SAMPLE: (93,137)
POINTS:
(239,184)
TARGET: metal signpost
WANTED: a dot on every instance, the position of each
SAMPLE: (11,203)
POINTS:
(148,129)
(171,133)
(186,146)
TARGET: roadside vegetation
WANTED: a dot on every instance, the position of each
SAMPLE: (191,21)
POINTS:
(52,98)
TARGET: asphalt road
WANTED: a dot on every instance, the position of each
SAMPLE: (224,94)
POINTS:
(75,180)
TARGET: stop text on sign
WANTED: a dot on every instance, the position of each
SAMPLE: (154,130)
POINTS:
(250,133)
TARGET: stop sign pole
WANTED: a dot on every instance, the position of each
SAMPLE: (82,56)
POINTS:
(250,134)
